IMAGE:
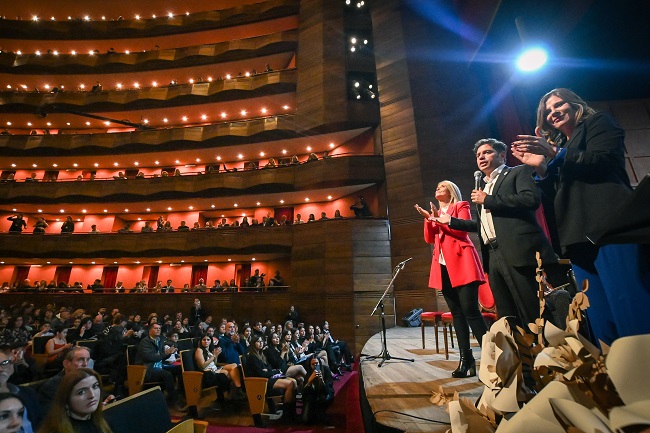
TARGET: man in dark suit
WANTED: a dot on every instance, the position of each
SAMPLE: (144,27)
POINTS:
(151,353)
(509,232)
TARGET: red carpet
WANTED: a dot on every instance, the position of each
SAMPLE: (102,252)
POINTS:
(344,413)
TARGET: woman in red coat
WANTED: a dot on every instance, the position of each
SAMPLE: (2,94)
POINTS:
(456,270)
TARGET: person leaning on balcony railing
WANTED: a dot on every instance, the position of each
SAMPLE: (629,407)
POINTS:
(68,225)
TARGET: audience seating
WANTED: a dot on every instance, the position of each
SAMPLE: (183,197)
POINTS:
(145,411)
(190,426)
(193,382)
(135,374)
(185,344)
(40,357)
(257,398)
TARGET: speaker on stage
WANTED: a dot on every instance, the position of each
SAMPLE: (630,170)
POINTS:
(412,318)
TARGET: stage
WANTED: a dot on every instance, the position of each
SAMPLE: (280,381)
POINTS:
(406,387)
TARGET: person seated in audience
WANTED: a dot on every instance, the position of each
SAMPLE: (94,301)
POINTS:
(12,413)
(311,218)
(32,415)
(77,405)
(200,286)
(164,173)
(172,341)
(269,221)
(230,345)
(167,227)
(120,176)
(97,286)
(140,175)
(323,216)
(340,344)
(205,357)
(177,173)
(40,226)
(151,353)
(294,160)
(56,346)
(196,226)
(68,225)
(17,223)
(126,228)
(223,223)
(360,208)
(157,288)
(312,157)
(31,178)
(254,222)
(299,219)
(168,288)
(276,354)
(183,227)
(147,227)
(216,287)
(276,280)
(208,225)
(257,365)
(93,229)
(318,393)
(256,280)
(83,331)
(244,222)
(337,214)
(284,221)
(271,163)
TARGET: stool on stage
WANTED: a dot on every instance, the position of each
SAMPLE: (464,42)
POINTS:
(434,317)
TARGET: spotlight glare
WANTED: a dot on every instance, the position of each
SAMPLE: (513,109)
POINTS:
(532,59)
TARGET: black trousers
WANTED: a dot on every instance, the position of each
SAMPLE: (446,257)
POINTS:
(514,289)
(463,304)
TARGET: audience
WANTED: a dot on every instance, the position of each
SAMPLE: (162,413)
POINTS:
(154,351)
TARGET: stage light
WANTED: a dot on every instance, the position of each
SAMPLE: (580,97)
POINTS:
(532,59)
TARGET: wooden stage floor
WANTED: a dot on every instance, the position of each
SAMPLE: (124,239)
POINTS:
(406,386)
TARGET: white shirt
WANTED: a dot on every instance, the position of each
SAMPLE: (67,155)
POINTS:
(487,232)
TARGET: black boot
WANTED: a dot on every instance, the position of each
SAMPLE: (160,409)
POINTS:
(467,365)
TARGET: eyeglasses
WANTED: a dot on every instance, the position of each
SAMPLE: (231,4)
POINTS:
(5,363)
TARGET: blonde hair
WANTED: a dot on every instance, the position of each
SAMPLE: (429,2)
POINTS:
(583,111)
(453,189)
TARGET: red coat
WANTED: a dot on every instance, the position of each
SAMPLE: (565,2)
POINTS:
(463,264)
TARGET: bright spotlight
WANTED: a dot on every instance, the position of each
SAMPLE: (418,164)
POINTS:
(532,59)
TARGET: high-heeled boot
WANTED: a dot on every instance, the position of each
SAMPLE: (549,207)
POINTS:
(466,366)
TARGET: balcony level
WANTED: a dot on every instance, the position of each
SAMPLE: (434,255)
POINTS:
(325,173)
(218,90)
(171,58)
(79,28)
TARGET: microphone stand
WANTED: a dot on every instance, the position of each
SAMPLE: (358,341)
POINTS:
(384,355)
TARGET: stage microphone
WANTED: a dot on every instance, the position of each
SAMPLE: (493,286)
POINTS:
(477,178)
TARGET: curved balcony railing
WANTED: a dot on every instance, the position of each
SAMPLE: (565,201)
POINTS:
(78,29)
(160,140)
(279,240)
(153,97)
(328,172)
(150,60)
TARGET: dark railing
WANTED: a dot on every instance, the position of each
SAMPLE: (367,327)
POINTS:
(338,171)
(150,60)
(79,29)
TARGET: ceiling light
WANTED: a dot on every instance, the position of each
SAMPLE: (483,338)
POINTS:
(169,208)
